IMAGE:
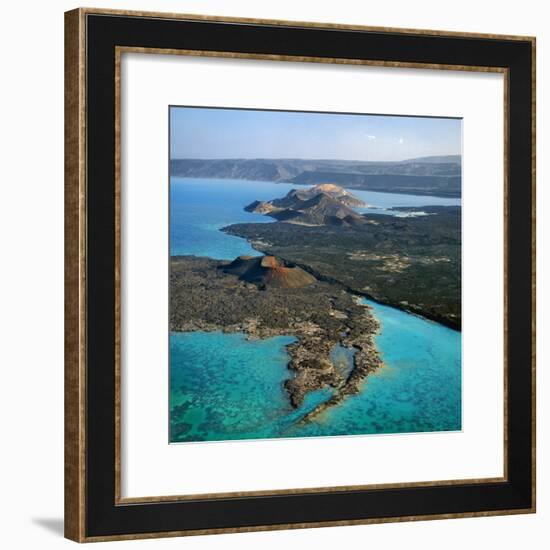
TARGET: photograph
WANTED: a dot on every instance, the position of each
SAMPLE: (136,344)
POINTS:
(315,274)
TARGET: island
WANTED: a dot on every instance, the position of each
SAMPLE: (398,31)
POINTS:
(316,264)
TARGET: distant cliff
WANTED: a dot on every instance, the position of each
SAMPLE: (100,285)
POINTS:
(440,176)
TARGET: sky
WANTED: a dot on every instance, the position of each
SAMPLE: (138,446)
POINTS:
(208,133)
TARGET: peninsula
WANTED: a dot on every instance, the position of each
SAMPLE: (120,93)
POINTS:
(324,204)
(266,296)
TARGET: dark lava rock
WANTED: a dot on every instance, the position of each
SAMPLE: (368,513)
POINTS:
(212,295)
(268,271)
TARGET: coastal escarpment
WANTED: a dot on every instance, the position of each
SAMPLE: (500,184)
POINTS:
(434,175)
(265,297)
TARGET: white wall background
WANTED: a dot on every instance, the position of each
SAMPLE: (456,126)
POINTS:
(31,274)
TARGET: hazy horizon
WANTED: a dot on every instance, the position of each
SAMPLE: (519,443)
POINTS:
(217,133)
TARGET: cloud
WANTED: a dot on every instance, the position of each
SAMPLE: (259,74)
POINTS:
(370,137)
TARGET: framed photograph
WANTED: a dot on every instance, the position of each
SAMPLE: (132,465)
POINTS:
(300,275)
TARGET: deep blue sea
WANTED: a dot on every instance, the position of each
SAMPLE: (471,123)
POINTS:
(200,208)
(225,387)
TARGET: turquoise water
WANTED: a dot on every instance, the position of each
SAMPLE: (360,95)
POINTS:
(417,390)
(224,387)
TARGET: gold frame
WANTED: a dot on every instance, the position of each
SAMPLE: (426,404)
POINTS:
(75,270)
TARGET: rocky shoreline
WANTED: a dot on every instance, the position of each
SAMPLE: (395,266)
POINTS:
(206,296)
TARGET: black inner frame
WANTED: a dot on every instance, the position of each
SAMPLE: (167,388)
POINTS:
(103,516)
